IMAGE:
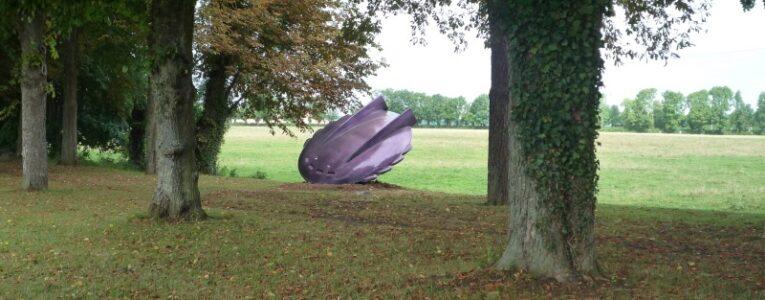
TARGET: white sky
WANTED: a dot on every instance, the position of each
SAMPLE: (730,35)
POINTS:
(731,52)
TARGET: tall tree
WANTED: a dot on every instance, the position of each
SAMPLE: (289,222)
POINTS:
(290,59)
(616,116)
(659,119)
(69,127)
(396,102)
(699,117)
(604,114)
(637,115)
(759,116)
(554,69)
(552,135)
(33,98)
(672,111)
(740,120)
(500,131)
(479,112)
(172,31)
(721,100)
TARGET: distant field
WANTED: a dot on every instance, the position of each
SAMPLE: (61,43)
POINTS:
(654,170)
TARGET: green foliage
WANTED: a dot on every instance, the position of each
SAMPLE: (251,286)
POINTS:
(291,60)
(438,110)
(112,66)
(721,100)
(604,114)
(616,117)
(759,116)
(554,54)
(716,111)
(672,111)
(740,121)
(699,112)
(638,114)
(10,94)
(478,114)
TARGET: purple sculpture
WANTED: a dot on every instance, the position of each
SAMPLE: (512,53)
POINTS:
(358,147)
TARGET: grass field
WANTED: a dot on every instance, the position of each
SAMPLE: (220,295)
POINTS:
(680,217)
(648,170)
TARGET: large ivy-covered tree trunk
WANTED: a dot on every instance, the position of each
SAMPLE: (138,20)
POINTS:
(177,194)
(33,98)
(211,127)
(69,125)
(555,75)
(499,113)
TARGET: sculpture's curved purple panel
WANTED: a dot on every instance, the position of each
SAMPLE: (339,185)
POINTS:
(358,147)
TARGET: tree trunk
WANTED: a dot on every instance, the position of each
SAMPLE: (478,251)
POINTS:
(151,132)
(499,117)
(554,70)
(212,126)
(137,135)
(172,30)
(19,144)
(69,126)
(33,81)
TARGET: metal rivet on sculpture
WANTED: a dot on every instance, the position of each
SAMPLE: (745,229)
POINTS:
(358,147)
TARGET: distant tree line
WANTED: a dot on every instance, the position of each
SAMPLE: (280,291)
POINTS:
(715,111)
(440,111)
(431,110)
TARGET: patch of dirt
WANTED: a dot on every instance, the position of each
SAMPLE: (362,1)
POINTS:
(12,167)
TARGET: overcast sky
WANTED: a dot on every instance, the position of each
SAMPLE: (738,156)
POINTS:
(731,52)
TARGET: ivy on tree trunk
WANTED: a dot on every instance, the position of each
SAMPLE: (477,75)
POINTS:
(33,98)
(211,127)
(555,75)
(177,195)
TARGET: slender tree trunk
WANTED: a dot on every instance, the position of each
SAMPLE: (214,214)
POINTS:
(212,126)
(172,30)
(69,126)
(137,136)
(33,81)
(499,117)
(151,132)
(19,144)
(552,203)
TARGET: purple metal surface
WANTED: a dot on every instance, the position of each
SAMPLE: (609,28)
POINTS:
(358,147)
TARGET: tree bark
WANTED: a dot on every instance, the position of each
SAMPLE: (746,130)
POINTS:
(69,126)
(499,117)
(151,133)
(552,215)
(534,246)
(33,97)
(19,144)
(172,29)
(211,127)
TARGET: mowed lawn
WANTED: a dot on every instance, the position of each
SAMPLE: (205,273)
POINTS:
(681,217)
(647,170)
